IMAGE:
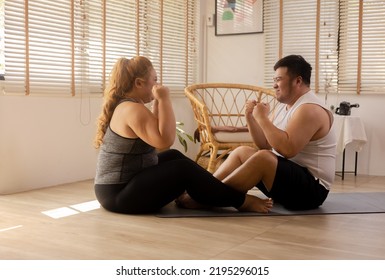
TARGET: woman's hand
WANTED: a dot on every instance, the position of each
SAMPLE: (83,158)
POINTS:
(160,92)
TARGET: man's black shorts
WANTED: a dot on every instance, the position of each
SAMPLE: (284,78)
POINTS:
(295,187)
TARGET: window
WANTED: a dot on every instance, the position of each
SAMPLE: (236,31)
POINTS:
(342,40)
(68,47)
(2,68)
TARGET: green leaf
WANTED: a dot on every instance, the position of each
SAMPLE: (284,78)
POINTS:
(183,142)
(182,134)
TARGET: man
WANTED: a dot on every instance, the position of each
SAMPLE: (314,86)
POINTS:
(295,162)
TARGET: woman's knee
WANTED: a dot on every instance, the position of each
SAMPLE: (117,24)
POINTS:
(170,154)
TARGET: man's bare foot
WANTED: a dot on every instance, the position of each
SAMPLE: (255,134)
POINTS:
(185,201)
(256,204)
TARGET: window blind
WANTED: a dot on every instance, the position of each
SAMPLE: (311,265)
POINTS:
(15,47)
(2,59)
(343,41)
(294,32)
(362,47)
(89,60)
(120,31)
(299,30)
(171,48)
(69,46)
(49,50)
(348,57)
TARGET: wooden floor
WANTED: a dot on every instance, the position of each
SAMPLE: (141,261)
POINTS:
(27,232)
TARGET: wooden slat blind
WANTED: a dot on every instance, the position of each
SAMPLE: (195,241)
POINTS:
(343,41)
(67,47)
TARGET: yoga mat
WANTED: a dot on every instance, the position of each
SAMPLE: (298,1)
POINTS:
(336,203)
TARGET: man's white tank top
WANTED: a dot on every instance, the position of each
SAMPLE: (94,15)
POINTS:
(318,156)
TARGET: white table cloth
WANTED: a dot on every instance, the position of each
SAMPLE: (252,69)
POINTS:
(350,131)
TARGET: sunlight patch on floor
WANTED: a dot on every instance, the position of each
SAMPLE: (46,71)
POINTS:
(67,211)
(86,206)
(60,212)
(10,228)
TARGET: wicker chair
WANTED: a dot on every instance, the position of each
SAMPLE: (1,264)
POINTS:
(219,112)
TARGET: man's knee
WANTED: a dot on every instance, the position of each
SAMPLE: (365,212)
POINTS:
(265,154)
(243,152)
(264,157)
(266,163)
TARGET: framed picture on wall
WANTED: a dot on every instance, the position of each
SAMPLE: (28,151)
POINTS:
(235,17)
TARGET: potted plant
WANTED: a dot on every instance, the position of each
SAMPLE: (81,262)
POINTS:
(182,135)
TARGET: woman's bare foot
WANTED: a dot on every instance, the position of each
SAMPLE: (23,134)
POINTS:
(185,201)
(256,204)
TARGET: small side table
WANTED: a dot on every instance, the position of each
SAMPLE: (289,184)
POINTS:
(349,131)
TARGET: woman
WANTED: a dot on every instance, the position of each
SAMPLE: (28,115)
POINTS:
(130,176)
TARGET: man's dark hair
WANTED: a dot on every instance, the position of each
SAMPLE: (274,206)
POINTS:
(296,66)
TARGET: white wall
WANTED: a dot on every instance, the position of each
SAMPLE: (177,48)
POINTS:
(240,59)
(46,141)
(231,59)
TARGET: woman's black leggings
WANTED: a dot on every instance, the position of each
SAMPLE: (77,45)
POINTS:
(156,186)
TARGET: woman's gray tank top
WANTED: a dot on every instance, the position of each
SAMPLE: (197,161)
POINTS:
(121,158)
